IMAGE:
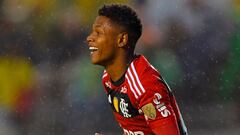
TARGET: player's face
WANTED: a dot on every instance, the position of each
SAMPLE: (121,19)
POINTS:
(103,41)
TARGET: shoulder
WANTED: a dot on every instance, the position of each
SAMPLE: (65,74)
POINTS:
(105,78)
(142,77)
(143,69)
(104,75)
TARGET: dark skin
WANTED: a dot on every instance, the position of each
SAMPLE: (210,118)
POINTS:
(109,46)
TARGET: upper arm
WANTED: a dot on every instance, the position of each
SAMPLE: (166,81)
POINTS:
(155,103)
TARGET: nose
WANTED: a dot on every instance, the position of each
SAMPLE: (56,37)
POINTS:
(89,39)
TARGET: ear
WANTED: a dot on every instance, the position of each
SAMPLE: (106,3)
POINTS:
(122,39)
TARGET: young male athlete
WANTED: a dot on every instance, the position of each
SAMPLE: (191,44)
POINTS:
(141,100)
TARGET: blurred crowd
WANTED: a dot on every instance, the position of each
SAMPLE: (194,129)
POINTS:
(48,85)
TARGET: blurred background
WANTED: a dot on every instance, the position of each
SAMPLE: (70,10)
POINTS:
(48,85)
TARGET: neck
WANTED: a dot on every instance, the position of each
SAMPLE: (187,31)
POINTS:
(118,68)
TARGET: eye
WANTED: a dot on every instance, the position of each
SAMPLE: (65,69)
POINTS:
(95,32)
(99,31)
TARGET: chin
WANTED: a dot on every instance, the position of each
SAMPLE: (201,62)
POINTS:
(99,61)
(95,62)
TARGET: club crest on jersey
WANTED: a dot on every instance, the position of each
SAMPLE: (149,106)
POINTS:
(123,108)
(121,104)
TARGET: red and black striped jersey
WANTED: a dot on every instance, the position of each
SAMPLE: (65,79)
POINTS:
(142,102)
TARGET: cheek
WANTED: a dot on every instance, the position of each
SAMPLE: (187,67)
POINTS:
(106,51)
(108,47)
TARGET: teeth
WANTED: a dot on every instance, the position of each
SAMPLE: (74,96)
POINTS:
(93,48)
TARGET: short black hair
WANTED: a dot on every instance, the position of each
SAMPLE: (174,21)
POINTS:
(125,16)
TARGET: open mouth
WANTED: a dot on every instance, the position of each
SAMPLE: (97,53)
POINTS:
(93,49)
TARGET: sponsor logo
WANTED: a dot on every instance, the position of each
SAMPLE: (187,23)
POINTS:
(123,108)
(123,89)
(160,106)
(157,98)
(149,111)
(108,84)
(128,132)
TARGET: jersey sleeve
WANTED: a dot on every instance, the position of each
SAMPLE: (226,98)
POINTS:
(156,106)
